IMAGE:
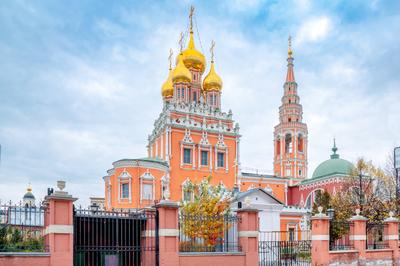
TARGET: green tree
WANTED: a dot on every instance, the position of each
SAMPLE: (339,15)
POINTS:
(321,199)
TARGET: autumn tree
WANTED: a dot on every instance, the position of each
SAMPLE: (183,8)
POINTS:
(204,218)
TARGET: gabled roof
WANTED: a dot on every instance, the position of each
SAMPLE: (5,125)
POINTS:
(244,194)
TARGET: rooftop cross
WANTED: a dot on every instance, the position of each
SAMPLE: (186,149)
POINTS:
(212,50)
(290,52)
(170,58)
(191,12)
(181,42)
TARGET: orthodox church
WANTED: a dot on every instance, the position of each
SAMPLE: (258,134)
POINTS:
(193,138)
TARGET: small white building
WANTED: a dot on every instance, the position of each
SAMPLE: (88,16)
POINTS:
(269,207)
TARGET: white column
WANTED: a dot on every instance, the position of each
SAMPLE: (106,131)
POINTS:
(156,147)
(211,161)
(227,161)
(181,155)
(194,156)
(130,190)
(199,156)
(167,144)
(162,146)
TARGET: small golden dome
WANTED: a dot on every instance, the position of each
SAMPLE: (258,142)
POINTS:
(212,82)
(181,73)
(192,57)
(167,89)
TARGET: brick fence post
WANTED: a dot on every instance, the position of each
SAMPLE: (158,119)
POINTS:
(148,240)
(392,236)
(59,227)
(168,233)
(359,236)
(248,234)
(320,239)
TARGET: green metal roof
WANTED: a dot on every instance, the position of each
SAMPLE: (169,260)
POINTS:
(29,195)
(333,166)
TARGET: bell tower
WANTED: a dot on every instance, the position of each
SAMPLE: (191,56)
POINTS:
(290,135)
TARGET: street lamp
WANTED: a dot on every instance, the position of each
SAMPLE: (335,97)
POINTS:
(396,160)
(331,213)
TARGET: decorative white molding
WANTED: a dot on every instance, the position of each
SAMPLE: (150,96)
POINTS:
(248,233)
(204,139)
(59,229)
(358,237)
(187,138)
(168,232)
(391,237)
(320,237)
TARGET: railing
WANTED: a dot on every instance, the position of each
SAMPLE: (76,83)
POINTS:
(202,233)
(21,228)
(375,236)
(284,248)
(124,237)
(339,235)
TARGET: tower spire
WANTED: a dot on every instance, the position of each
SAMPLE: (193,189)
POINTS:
(334,149)
(290,71)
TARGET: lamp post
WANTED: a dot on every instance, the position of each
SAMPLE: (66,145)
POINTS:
(360,189)
(331,213)
(396,160)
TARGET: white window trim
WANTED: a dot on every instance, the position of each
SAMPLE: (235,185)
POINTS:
(148,178)
(123,178)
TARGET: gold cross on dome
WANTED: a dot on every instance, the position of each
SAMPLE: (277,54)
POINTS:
(181,41)
(290,52)
(191,12)
(170,58)
(212,50)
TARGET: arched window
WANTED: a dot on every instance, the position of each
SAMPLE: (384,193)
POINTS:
(300,144)
(278,147)
(288,143)
(311,198)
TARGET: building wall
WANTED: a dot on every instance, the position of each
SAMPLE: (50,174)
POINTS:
(277,185)
(299,194)
(136,179)
(194,172)
(290,221)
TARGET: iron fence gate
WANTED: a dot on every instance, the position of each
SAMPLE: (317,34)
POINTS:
(115,238)
(291,248)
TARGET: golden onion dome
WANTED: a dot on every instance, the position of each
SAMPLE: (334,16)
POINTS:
(212,82)
(181,73)
(167,89)
(192,57)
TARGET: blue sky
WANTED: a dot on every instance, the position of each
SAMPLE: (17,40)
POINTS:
(80,80)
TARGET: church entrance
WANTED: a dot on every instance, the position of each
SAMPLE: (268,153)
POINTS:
(115,238)
(291,248)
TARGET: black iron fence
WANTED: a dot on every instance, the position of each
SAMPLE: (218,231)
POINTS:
(203,233)
(22,228)
(284,248)
(375,235)
(126,237)
(340,235)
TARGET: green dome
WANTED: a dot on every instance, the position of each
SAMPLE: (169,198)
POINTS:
(29,195)
(333,166)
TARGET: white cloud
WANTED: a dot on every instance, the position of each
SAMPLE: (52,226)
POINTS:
(314,29)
